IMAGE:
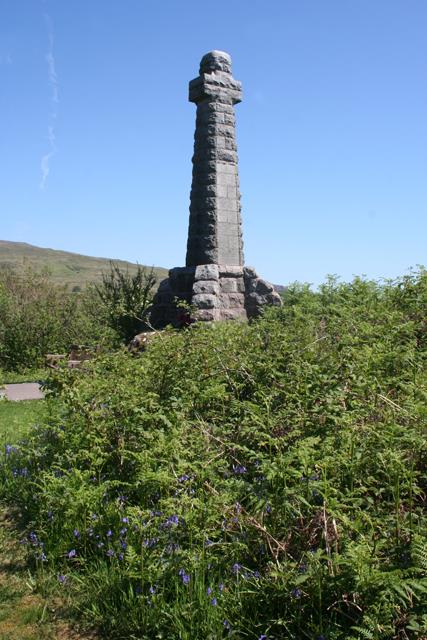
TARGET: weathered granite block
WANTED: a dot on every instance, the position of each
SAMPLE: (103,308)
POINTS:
(206,272)
(205,301)
(206,286)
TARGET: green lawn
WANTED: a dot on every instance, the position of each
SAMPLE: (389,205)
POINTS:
(17,417)
(30,375)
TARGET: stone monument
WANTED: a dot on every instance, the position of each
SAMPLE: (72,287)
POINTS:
(214,281)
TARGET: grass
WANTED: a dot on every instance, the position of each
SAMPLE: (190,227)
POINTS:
(16,418)
(29,375)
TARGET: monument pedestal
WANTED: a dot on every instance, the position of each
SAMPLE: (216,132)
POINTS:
(214,292)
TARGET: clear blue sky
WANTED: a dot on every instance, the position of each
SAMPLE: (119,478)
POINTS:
(96,132)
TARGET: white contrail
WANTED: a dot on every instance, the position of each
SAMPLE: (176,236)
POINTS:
(53,80)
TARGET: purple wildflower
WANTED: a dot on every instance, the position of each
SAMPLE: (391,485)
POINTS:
(236,568)
(209,591)
(296,593)
(72,553)
(62,579)
(109,533)
(76,533)
(184,576)
(110,553)
(239,469)
(227,625)
(214,602)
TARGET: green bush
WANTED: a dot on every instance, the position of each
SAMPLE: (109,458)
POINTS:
(38,317)
(125,299)
(245,481)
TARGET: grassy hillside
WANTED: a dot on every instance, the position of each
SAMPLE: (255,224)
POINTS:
(65,267)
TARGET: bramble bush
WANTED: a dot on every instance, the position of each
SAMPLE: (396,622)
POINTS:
(263,480)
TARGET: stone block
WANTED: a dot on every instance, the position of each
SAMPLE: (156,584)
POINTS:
(206,272)
(230,271)
(205,301)
(207,315)
(263,287)
(206,286)
(232,285)
(233,314)
(231,300)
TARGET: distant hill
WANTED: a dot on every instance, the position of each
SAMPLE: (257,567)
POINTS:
(71,269)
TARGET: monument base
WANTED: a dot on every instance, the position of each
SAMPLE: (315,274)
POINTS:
(215,292)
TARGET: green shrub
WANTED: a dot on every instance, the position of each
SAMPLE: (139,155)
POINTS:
(125,299)
(246,481)
(38,317)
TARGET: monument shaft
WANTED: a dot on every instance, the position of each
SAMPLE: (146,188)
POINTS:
(215,227)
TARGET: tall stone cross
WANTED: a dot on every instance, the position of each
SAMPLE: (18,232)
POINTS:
(214,281)
(215,229)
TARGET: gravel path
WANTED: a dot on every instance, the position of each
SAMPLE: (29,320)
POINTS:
(23,391)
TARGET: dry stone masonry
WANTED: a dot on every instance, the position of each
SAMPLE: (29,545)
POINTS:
(214,281)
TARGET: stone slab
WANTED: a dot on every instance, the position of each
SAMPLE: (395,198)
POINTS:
(23,391)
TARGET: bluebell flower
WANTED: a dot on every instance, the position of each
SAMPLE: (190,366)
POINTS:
(125,520)
(110,553)
(184,576)
(61,578)
(109,533)
(239,469)
(76,533)
(209,591)
(123,531)
(214,602)
(236,568)
(152,590)
(221,587)
(227,625)
(120,556)
(296,593)
(183,478)
(72,553)
(123,544)
(10,449)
